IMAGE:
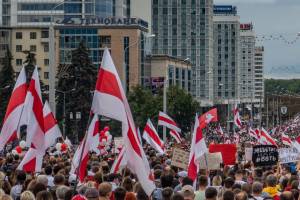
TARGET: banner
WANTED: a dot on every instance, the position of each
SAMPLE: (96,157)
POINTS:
(228,152)
(288,155)
(265,155)
(213,160)
(180,158)
(248,154)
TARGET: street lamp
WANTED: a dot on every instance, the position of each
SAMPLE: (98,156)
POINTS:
(64,108)
(124,52)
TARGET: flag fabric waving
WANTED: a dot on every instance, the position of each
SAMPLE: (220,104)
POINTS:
(14,111)
(33,107)
(254,133)
(265,138)
(52,131)
(296,144)
(152,138)
(165,120)
(237,119)
(110,100)
(120,162)
(198,146)
(176,136)
(286,139)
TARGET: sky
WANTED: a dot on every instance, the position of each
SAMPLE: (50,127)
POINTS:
(274,18)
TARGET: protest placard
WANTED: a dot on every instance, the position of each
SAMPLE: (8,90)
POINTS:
(180,158)
(213,160)
(248,154)
(265,155)
(288,155)
(118,143)
(228,152)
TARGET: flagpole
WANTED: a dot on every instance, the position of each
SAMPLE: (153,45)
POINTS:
(165,103)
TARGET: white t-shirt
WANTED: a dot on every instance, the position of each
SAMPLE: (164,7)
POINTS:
(50,181)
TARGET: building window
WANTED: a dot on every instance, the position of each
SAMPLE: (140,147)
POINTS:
(32,48)
(19,62)
(45,34)
(46,75)
(33,35)
(46,62)
(105,41)
(18,48)
(46,47)
(18,35)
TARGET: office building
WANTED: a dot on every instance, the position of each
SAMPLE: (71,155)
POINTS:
(259,87)
(5,43)
(247,51)
(183,29)
(175,70)
(226,54)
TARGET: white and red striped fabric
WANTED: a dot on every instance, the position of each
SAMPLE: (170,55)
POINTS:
(96,137)
(14,111)
(33,109)
(254,133)
(79,166)
(220,130)
(286,139)
(237,119)
(152,138)
(198,146)
(52,131)
(165,120)
(296,144)
(120,162)
(265,138)
(176,136)
(110,100)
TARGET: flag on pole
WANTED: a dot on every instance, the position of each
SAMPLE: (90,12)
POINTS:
(286,139)
(237,119)
(165,120)
(265,138)
(176,136)
(120,162)
(198,146)
(82,152)
(254,133)
(110,100)
(296,144)
(220,130)
(152,138)
(14,111)
(32,161)
(52,131)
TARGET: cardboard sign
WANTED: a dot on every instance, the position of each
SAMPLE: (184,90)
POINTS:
(118,143)
(288,155)
(265,155)
(180,158)
(228,152)
(213,161)
(248,154)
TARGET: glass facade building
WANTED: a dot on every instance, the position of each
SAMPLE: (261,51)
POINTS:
(183,29)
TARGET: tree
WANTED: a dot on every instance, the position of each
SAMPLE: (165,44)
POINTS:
(80,75)
(7,80)
(182,107)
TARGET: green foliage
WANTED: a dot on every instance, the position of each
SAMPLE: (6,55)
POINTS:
(277,86)
(180,106)
(7,80)
(80,75)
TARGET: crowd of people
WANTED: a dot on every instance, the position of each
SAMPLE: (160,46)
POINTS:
(242,181)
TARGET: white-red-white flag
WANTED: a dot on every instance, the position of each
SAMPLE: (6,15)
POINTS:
(237,119)
(33,107)
(110,100)
(176,136)
(254,133)
(82,152)
(198,146)
(265,138)
(220,130)
(286,140)
(120,162)
(52,131)
(152,138)
(14,111)
(296,144)
(165,120)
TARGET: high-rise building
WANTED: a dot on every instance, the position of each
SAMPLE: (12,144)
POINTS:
(5,42)
(247,51)
(226,54)
(183,29)
(259,87)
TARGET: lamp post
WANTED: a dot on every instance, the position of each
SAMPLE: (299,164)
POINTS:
(52,60)
(64,108)
(124,63)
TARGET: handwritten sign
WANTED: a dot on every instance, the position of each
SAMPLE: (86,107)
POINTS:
(180,158)
(288,155)
(265,155)
(213,161)
(248,154)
